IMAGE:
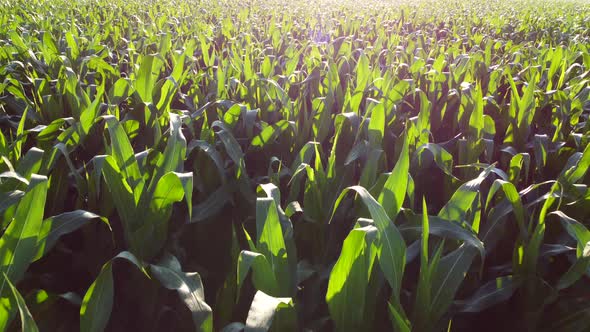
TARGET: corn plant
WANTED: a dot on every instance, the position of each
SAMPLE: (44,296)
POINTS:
(304,165)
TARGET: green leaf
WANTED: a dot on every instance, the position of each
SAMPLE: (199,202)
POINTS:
(576,172)
(232,115)
(349,279)
(272,191)
(265,311)
(189,288)
(122,152)
(399,318)
(163,92)
(234,151)
(90,114)
(447,278)
(30,163)
(151,234)
(516,164)
(377,126)
(97,303)
(15,176)
(270,241)
(513,197)
(442,158)
(10,198)
(462,199)
(491,293)
(49,44)
(270,134)
(391,245)
(54,227)
(423,292)
(232,147)
(476,120)
(18,244)
(213,204)
(100,65)
(174,153)
(26,319)
(119,91)
(170,189)
(146,78)
(447,229)
(531,252)
(574,228)
(363,74)
(394,191)
(580,267)
(122,194)
(371,168)
(212,153)
(17,41)
(263,276)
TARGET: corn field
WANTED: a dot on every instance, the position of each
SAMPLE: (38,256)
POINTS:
(266,165)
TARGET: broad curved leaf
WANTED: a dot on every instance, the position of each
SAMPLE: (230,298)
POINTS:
(189,288)
(391,247)
(265,309)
